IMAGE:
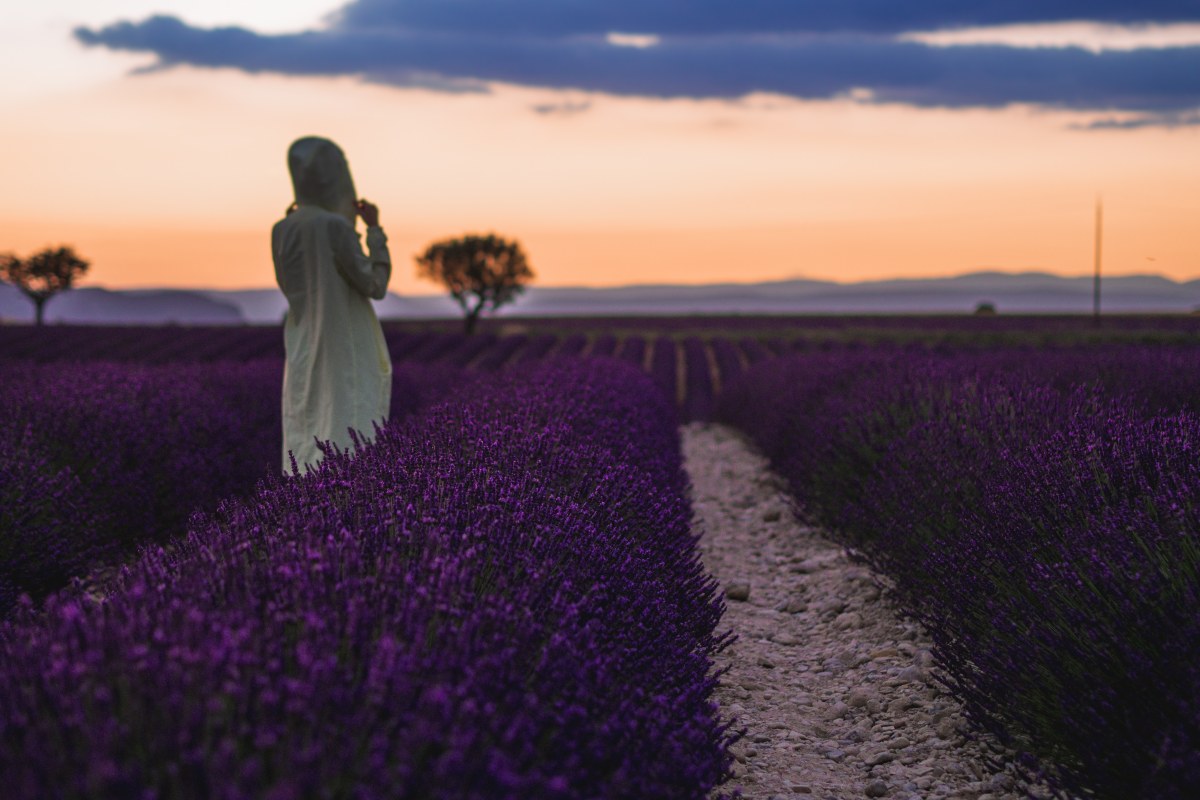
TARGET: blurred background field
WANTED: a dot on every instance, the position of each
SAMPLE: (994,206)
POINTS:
(409,340)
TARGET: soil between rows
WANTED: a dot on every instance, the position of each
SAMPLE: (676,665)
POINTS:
(835,691)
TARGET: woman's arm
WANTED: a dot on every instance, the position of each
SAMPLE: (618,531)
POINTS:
(368,272)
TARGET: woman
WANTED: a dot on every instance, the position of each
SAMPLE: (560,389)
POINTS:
(338,375)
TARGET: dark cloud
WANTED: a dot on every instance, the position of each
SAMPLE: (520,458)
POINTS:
(404,45)
(728,17)
(567,109)
(1163,120)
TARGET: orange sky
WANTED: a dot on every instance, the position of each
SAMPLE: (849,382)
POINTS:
(175,178)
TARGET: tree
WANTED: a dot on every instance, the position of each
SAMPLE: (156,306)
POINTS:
(43,275)
(481,272)
(985,308)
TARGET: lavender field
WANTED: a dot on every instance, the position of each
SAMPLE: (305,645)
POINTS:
(502,597)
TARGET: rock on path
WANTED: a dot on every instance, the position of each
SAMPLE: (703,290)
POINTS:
(832,687)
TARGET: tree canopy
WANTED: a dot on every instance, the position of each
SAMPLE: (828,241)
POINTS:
(44,274)
(481,272)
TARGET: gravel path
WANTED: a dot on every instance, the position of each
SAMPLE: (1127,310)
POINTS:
(832,687)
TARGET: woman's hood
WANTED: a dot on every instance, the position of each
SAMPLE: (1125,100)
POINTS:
(321,176)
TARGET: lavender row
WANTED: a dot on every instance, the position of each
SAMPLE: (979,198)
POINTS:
(537,349)
(633,349)
(699,391)
(101,458)
(664,367)
(501,598)
(571,345)
(1037,513)
(605,344)
(502,353)
(730,358)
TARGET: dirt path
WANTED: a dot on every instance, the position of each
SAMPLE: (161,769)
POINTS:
(833,689)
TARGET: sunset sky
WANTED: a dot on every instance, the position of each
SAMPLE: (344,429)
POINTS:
(647,141)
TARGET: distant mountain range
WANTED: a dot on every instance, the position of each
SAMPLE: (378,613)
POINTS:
(1010,293)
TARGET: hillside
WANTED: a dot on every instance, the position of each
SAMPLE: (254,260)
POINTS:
(1010,293)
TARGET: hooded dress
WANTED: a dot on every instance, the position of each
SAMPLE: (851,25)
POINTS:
(338,374)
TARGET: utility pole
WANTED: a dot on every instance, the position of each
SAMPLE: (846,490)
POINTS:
(1098,249)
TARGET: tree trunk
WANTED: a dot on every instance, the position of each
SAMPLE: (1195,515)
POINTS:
(473,317)
(39,305)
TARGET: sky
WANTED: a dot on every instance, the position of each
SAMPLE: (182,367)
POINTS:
(656,141)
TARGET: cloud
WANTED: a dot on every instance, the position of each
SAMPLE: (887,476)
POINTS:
(739,17)
(564,109)
(701,49)
(1165,120)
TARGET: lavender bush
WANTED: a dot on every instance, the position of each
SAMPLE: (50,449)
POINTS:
(502,352)
(537,348)
(140,447)
(664,366)
(48,529)
(633,350)
(499,598)
(102,458)
(439,346)
(755,351)
(1099,636)
(728,357)
(571,345)
(698,396)
(605,344)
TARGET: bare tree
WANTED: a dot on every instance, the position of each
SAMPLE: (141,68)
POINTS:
(43,275)
(481,272)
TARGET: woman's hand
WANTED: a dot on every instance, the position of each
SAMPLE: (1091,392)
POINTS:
(369,213)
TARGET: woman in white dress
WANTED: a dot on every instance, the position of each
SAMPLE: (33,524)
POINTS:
(338,375)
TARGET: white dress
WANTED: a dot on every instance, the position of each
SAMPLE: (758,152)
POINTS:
(338,374)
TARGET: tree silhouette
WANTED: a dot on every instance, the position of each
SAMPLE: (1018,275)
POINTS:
(43,275)
(985,308)
(481,272)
